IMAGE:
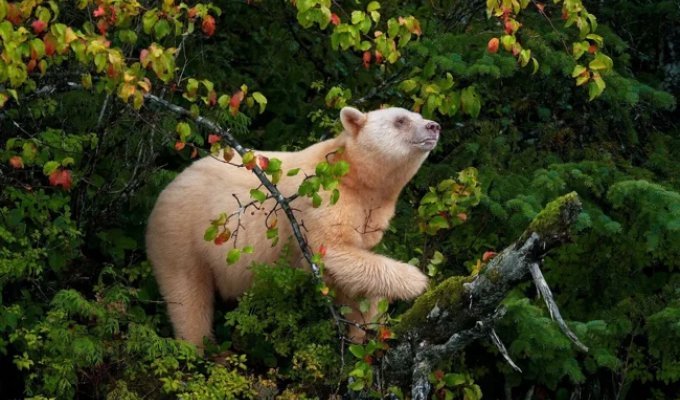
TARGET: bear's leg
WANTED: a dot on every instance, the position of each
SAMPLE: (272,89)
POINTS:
(190,297)
(361,273)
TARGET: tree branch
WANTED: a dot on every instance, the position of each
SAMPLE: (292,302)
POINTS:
(460,310)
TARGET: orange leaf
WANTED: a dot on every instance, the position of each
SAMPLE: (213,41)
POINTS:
(378,57)
(367,59)
(462,216)
(179,145)
(208,25)
(335,20)
(322,250)
(488,255)
(16,162)
(384,333)
(492,46)
(61,177)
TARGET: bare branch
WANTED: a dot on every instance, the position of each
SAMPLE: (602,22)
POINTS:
(546,293)
(501,347)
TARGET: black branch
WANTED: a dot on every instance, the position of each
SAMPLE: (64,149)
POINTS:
(460,310)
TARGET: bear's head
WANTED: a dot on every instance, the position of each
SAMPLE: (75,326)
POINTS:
(390,132)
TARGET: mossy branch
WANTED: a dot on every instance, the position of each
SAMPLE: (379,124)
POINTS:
(462,309)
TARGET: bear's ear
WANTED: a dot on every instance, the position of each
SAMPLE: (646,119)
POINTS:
(352,120)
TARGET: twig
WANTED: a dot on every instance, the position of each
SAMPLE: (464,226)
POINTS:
(545,291)
(501,347)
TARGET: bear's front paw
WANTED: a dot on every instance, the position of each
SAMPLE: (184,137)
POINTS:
(413,283)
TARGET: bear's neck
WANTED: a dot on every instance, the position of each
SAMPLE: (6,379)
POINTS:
(377,177)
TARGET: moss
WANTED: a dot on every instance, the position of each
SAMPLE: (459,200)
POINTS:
(556,216)
(445,295)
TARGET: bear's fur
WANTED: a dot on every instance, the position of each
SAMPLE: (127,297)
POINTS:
(384,149)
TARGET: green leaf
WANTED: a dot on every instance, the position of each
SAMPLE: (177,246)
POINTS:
(335,195)
(356,386)
(183,130)
(357,350)
(293,172)
(470,101)
(316,200)
(408,85)
(578,70)
(274,165)
(452,380)
(233,256)
(383,305)
(248,249)
(210,233)
(258,195)
(50,167)
(373,6)
(260,100)
(364,305)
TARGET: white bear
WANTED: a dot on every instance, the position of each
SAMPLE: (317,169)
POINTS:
(384,149)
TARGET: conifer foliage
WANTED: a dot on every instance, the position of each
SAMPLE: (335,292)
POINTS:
(536,100)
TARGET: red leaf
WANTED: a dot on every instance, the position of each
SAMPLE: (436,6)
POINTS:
(322,251)
(50,45)
(439,374)
(378,57)
(143,55)
(368,359)
(99,11)
(208,25)
(222,238)
(31,65)
(194,153)
(592,49)
(235,102)
(179,145)
(192,12)
(212,138)
(102,26)
(509,27)
(492,46)
(488,255)
(335,20)
(367,59)
(262,162)
(16,162)
(565,14)
(38,26)
(61,177)
(13,14)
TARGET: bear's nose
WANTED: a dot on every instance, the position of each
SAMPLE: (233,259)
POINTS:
(433,126)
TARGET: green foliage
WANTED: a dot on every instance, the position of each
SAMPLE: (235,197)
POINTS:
(80,170)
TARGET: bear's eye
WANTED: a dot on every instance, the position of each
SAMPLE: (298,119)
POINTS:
(400,122)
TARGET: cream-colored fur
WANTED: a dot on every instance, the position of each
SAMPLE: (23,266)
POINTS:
(384,148)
